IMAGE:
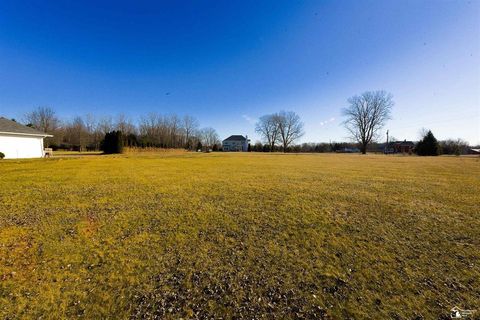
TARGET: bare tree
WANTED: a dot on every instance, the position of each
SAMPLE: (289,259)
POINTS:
(209,137)
(124,124)
(190,126)
(154,130)
(90,123)
(366,115)
(94,137)
(290,127)
(173,127)
(44,119)
(267,127)
(105,125)
(76,133)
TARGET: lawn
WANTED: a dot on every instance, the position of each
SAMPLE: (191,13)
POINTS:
(239,236)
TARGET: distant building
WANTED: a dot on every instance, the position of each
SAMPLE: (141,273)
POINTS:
(400,147)
(19,141)
(235,143)
(348,150)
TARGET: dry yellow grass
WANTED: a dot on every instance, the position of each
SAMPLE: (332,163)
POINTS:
(153,150)
(239,235)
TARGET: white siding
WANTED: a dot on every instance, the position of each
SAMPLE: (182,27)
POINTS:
(17,146)
(232,145)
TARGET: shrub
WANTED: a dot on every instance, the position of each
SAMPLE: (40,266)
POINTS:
(2,155)
(113,142)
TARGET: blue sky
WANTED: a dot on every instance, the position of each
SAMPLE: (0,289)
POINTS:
(229,62)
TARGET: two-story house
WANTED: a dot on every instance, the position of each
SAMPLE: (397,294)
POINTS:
(235,143)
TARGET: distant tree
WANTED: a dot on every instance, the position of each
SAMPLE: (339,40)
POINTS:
(168,131)
(267,127)
(314,147)
(290,128)
(199,145)
(456,147)
(93,135)
(296,148)
(190,126)
(153,130)
(124,124)
(113,142)
(105,125)
(258,146)
(130,140)
(428,146)
(366,115)
(173,123)
(43,119)
(77,133)
(209,137)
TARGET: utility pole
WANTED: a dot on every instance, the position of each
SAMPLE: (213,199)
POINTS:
(386,147)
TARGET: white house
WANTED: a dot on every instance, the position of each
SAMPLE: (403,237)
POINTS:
(235,143)
(19,141)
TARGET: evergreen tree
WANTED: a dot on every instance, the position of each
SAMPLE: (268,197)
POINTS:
(113,142)
(428,146)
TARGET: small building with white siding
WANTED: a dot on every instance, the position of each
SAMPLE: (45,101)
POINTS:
(18,141)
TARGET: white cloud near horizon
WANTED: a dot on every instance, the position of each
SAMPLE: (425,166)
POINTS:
(322,123)
(249,119)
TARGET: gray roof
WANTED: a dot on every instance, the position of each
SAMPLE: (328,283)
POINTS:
(9,126)
(404,143)
(236,138)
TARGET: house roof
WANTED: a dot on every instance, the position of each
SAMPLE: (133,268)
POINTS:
(236,138)
(12,127)
(404,143)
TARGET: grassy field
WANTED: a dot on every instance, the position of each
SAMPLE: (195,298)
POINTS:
(239,236)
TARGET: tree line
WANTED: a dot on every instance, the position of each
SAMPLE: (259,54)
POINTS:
(306,147)
(153,130)
(425,147)
(365,117)
(430,146)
